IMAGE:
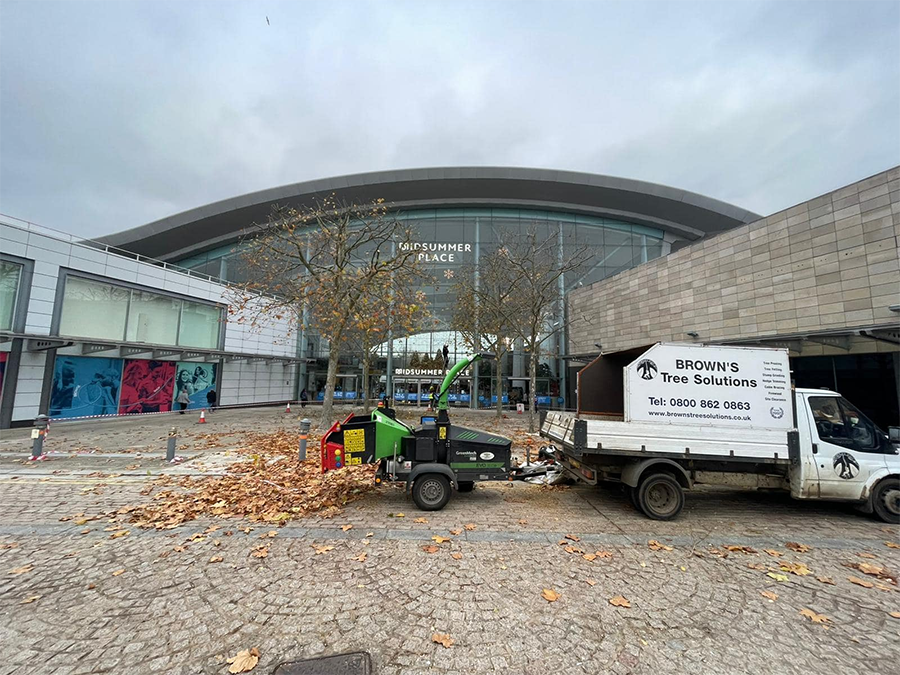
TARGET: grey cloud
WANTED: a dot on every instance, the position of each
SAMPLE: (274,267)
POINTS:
(116,114)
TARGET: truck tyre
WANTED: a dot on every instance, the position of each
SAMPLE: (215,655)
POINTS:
(660,496)
(431,492)
(465,485)
(886,500)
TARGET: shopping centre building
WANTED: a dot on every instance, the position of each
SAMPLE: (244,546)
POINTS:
(125,324)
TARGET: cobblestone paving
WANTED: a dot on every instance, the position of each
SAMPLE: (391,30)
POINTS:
(691,611)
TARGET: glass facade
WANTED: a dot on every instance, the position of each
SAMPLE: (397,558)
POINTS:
(92,309)
(10,275)
(450,242)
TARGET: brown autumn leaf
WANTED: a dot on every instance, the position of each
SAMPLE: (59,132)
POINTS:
(269,535)
(12,544)
(346,527)
(442,639)
(431,548)
(549,595)
(590,557)
(260,551)
(619,601)
(370,534)
(244,661)
(769,594)
(866,555)
(456,555)
(420,520)
(740,549)
(118,572)
(892,544)
(396,515)
(216,559)
(573,549)
(658,546)
(440,540)
(573,537)
(590,582)
(470,526)
(772,552)
(826,580)
(361,557)
(799,548)
(522,521)
(30,599)
(456,533)
(21,570)
(861,582)
(896,615)
(757,566)
(323,548)
(179,549)
(815,618)
(120,533)
(799,569)
(603,554)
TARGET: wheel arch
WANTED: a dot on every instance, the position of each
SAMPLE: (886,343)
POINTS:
(431,467)
(632,473)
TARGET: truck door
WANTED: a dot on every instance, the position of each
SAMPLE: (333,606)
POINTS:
(847,447)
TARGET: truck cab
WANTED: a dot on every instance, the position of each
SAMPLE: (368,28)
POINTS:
(846,454)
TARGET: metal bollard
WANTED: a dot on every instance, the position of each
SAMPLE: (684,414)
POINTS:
(41,423)
(304,434)
(170,447)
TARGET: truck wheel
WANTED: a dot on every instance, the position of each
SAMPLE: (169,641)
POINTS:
(431,492)
(465,485)
(886,500)
(660,496)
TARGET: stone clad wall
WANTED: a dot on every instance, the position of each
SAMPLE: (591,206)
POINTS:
(829,263)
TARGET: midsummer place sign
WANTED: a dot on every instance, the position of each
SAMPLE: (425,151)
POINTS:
(431,252)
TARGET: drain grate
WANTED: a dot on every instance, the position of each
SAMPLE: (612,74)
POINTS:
(355,663)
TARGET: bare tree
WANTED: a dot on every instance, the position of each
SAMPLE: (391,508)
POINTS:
(484,313)
(333,259)
(389,309)
(536,261)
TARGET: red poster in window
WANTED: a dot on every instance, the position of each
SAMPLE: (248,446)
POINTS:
(146,386)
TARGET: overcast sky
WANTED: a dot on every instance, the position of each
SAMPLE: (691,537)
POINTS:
(115,114)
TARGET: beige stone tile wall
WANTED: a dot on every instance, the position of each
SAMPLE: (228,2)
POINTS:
(828,263)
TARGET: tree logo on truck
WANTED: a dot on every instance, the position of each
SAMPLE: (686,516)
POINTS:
(845,465)
(647,369)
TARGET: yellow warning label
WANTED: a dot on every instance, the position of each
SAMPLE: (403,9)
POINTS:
(354,442)
(354,460)
(442,432)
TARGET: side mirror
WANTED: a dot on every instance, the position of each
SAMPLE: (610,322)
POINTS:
(894,434)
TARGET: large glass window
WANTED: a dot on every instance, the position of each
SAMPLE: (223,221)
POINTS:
(10,273)
(153,318)
(199,326)
(94,310)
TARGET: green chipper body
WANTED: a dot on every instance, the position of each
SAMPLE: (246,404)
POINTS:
(431,458)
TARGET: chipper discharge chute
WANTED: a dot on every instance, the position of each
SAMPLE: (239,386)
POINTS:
(432,458)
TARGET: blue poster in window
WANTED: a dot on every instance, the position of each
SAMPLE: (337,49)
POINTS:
(84,385)
(197,380)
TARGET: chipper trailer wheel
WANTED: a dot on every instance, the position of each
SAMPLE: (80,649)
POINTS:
(660,496)
(431,492)
(886,500)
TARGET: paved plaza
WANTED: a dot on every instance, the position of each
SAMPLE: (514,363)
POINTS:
(77,596)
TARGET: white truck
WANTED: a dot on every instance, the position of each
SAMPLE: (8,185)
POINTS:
(729,416)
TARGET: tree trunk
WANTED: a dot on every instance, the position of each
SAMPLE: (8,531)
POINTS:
(334,354)
(365,382)
(532,407)
(499,384)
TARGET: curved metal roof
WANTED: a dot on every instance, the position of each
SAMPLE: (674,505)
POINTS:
(686,215)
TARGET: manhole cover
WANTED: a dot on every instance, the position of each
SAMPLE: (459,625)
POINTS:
(356,663)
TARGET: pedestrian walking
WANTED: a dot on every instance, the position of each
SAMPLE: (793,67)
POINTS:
(304,397)
(183,400)
(211,399)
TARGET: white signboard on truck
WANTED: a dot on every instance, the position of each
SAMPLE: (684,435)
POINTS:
(710,385)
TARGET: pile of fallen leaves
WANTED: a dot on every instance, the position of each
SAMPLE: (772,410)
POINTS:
(270,486)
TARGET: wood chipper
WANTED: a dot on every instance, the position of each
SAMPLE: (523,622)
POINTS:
(433,458)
